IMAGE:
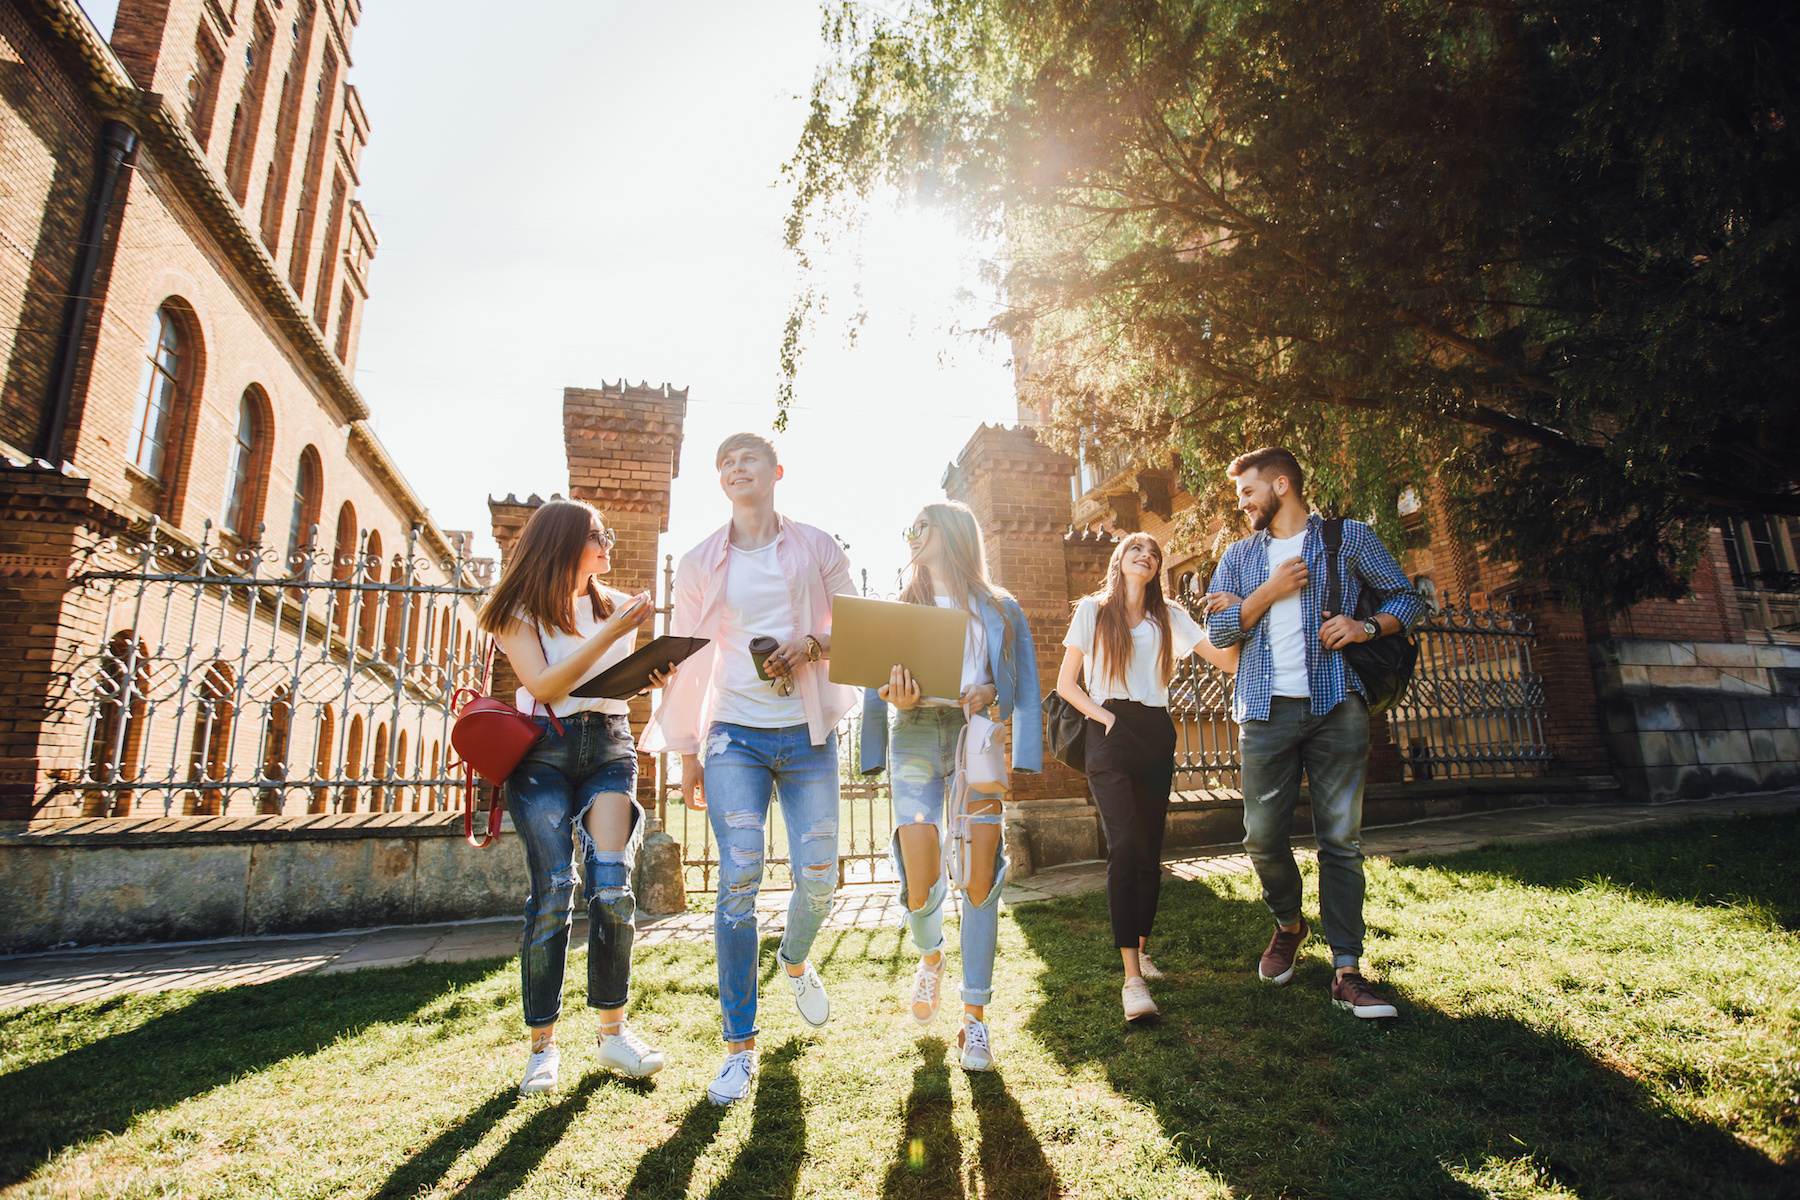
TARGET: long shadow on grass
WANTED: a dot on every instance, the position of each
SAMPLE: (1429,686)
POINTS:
(421,1172)
(1751,862)
(768,1163)
(1012,1159)
(666,1170)
(1277,1092)
(928,1158)
(102,1087)
(525,1149)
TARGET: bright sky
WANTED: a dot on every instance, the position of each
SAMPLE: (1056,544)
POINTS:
(590,190)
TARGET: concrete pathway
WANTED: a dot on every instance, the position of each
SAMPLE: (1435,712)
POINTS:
(73,976)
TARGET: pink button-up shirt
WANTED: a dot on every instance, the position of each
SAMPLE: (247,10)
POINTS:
(816,569)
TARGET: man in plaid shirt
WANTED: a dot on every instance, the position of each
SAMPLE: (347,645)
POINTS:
(1298,704)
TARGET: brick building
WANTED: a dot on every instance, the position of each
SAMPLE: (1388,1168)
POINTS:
(184,273)
(1675,699)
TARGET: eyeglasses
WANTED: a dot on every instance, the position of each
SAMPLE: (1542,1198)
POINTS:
(603,538)
(916,530)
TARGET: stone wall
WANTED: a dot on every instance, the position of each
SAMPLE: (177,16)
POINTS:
(1691,719)
(101,882)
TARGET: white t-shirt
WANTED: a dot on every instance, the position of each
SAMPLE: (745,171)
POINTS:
(558,646)
(757,604)
(975,667)
(1142,682)
(1285,622)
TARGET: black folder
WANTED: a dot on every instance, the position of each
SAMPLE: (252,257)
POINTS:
(631,674)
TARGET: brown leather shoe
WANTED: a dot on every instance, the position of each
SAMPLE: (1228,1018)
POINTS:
(1277,965)
(1350,990)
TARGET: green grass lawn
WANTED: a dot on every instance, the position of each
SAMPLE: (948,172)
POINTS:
(1614,1017)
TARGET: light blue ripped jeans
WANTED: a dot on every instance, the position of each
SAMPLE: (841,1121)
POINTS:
(743,765)
(921,759)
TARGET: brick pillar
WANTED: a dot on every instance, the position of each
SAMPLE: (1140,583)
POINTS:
(1018,490)
(47,519)
(624,447)
(1571,707)
(508,519)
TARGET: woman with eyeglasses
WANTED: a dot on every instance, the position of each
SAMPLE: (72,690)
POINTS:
(1128,640)
(918,745)
(560,626)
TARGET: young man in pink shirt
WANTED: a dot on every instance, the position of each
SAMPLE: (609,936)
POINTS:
(741,736)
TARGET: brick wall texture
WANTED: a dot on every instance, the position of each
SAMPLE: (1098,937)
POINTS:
(236,216)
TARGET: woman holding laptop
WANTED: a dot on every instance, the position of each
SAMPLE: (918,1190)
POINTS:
(918,744)
(559,626)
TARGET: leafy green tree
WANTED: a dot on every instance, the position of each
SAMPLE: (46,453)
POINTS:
(1543,250)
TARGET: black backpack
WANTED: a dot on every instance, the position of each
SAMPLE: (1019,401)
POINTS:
(1384,665)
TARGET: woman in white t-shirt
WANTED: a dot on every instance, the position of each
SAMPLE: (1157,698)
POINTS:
(1127,638)
(559,626)
(918,745)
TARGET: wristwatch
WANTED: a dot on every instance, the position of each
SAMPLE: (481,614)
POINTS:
(814,650)
(1372,629)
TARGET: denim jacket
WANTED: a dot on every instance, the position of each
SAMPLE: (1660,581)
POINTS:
(1015,674)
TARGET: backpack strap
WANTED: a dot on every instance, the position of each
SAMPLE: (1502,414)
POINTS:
(1332,533)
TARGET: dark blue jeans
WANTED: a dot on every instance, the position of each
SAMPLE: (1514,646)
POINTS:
(1334,749)
(548,795)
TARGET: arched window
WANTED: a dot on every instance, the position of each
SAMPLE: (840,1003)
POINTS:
(117,750)
(157,396)
(209,756)
(403,770)
(370,597)
(343,564)
(378,795)
(353,751)
(396,609)
(277,723)
(324,750)
(303,519)
(436,791)
(245,481)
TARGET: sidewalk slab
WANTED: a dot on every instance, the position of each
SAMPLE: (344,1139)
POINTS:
(77,976)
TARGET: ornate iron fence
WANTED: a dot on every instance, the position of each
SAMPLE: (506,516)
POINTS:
(238,679)
(1476,706)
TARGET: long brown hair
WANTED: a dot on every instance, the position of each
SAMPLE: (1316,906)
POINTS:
(541,573)
(1112,625)
(964,563)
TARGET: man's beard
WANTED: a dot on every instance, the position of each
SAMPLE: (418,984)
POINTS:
(1261,515)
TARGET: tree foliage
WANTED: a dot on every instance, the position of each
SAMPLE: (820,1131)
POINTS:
(1544,250)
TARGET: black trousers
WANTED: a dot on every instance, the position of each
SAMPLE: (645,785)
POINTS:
(1130,772)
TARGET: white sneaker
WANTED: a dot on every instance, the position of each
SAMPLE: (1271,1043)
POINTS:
(1136,997)
(809,996)
(540,1071)
(629,1054)
(1146,968)
(732,1083)
(925,983)
(976,1045)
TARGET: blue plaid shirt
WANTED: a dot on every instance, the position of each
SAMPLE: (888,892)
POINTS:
(1245,567)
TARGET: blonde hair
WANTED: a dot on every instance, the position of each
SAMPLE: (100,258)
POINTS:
(964,562)
(745,441)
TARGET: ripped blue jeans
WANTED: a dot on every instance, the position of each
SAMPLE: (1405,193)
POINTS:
(548,795)
(743,765)
(921,759)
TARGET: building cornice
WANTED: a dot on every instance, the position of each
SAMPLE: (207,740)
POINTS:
(185,164)
(364,435)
